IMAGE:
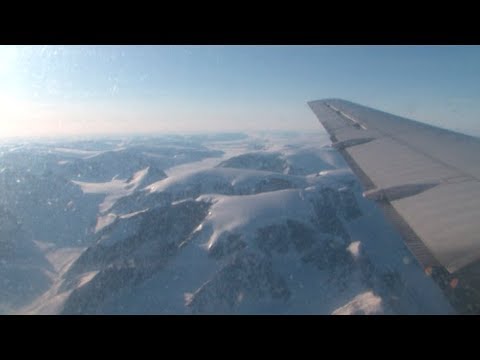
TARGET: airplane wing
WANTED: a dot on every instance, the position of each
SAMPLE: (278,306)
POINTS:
(426,179)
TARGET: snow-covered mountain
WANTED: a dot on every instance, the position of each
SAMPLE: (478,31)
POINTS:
(289,161)
(50,208)
(24,270)
(122,163)
(251,242)
(199,225)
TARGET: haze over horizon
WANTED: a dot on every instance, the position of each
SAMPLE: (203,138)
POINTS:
(118,90)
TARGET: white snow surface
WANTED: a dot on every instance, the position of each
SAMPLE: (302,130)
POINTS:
(364,304)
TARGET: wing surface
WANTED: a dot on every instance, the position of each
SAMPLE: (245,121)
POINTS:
(425,178)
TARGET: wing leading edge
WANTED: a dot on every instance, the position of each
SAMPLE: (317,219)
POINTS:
(425,178)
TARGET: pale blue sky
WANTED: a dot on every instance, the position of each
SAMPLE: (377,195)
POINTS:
(50,90)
